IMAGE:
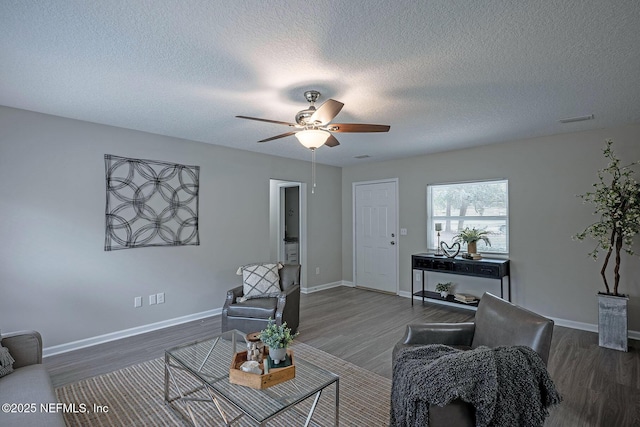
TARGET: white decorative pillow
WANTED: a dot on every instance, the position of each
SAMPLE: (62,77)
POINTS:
(260,281)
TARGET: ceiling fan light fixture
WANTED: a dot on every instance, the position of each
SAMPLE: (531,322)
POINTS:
(312,138)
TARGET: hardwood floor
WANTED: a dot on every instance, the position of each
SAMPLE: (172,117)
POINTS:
(363,326)
(600,387)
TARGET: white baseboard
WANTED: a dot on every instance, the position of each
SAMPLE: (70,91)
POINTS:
(634,335)
(100,339)
(575,325)
(326,286)
(112,336)
(406,294)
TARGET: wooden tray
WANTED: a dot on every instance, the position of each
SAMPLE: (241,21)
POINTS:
(275,375)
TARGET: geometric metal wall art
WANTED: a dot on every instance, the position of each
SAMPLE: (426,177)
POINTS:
(150,203)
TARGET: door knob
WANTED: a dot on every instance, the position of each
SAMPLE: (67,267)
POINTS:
(393,243)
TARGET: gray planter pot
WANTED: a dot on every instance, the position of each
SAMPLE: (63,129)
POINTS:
(277,354)
(613,322)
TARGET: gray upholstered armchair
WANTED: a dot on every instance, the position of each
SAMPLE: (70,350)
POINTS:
(497,323)
(252,315)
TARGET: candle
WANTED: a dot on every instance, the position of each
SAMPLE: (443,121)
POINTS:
(438,226)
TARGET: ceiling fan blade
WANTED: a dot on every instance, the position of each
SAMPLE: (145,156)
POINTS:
(331,141)
(357,127)
(278,136)
(326,112)
(267,120)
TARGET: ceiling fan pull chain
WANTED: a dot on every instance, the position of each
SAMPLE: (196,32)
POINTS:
(313,170)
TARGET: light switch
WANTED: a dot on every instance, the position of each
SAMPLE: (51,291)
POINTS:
(403,231)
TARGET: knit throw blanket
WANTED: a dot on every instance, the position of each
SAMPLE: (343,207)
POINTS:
(507,386)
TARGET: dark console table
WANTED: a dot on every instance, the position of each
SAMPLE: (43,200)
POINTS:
(489,268)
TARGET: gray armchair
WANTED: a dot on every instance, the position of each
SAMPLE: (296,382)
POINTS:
(497,323)
(252,315)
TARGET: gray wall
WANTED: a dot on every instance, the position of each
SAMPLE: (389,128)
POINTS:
(55,276)
(551,273)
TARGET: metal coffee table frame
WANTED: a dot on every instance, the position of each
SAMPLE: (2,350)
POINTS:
(208,363)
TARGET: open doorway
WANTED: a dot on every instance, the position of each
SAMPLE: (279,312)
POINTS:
(287,219)
(290,218)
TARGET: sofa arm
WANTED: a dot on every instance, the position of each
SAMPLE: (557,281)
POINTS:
(460,334)
(25,347)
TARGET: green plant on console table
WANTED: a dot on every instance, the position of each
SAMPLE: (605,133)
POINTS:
(276,336)
(472,235)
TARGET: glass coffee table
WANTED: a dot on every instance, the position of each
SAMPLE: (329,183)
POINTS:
(206,365)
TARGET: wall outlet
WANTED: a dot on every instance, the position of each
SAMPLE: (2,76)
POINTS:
(137,302)
(418,277)
(317,270)
(160,298)
(152,299)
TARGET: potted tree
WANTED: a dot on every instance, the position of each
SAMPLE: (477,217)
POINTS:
(616,198)
(277,338)
(471,236)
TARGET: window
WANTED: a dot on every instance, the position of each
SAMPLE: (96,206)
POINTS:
(482,204)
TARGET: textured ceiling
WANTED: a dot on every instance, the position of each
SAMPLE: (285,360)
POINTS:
(444,74)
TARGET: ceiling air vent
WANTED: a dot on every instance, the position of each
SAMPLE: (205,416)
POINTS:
(576,119)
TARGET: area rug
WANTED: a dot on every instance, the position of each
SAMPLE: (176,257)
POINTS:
(134,396)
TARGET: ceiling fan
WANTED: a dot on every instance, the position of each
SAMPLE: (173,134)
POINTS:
(313,128)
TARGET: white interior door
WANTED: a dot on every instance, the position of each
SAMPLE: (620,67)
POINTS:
(375,235)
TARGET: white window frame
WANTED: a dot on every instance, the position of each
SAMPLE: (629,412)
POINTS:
(432,220)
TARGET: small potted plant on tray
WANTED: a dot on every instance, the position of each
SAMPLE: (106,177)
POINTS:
(277,338)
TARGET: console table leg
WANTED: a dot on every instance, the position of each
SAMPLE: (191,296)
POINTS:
(412,273)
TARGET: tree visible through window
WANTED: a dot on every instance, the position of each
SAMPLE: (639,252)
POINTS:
(483,205)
